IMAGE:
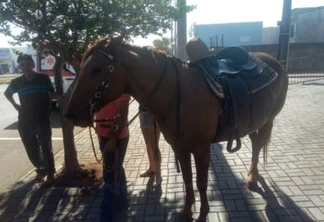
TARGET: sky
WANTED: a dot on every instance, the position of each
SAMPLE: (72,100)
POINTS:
(227,11)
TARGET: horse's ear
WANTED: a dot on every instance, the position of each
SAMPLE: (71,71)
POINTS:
(117,40)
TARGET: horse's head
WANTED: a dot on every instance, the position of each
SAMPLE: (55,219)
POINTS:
(96,84)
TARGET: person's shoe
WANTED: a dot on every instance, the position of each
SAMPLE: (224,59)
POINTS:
(49,181)
(147,173)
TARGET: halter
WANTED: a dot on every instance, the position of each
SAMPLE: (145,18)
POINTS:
(105,84)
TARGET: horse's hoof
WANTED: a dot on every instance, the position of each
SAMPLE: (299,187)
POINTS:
(185,218)
(252,185)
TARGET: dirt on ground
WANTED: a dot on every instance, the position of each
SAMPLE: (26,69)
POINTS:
(89,178)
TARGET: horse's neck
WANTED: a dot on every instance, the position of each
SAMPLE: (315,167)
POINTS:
(146,84)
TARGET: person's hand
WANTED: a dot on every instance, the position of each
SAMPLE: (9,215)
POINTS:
(17,106)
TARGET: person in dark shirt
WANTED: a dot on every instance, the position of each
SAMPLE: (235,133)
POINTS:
(34,111)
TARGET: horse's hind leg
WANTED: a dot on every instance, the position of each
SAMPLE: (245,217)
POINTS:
(185,163)
(202,158)
(259,139)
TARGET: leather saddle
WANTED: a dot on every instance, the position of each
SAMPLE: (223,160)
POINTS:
(233,59)
(240,75)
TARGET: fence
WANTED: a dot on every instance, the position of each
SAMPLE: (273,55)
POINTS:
(305,68)
(295,78)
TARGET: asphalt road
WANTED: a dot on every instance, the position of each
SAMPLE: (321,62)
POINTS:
(14,162)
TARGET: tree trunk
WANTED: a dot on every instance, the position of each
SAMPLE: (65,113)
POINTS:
(71,164)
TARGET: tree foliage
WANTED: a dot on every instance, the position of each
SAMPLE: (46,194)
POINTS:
(164,45)
(68,27)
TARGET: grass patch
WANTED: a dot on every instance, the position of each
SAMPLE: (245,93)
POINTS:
(6,78)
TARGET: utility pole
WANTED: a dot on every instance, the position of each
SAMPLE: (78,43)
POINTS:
(283,45)
(181,34)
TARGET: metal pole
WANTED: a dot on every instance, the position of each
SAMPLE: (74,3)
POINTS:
(283,45)
(182,35)
(222,40)
(216,41)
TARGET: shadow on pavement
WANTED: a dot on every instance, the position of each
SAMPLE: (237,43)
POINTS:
(277,201)
(27,202)
(228,196)
(267,203)
(150,204)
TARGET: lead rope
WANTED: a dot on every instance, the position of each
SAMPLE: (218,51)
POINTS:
(106,120)
(93,146)
(106,167)
(178,101)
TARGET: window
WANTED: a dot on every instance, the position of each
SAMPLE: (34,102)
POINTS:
(4,68)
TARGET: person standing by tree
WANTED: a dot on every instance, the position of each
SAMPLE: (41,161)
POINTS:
(111,126)
(151,133)
(35,91)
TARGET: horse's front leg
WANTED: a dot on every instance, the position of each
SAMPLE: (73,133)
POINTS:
(185,163)
(202,158)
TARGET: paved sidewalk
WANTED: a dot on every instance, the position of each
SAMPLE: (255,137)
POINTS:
(292,183)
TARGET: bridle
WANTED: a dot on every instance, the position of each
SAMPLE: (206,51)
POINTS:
(98,95)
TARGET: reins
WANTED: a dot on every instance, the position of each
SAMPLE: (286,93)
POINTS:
(108,120)
(178,100)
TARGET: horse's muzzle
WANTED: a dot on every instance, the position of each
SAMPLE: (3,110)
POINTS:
(79,117)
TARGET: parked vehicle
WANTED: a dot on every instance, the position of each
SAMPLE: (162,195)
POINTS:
(45,63)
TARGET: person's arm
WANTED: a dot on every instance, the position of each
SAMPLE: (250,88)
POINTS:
(55,95)
(10,98)
(119,124)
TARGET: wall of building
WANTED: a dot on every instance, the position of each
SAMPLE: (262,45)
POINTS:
(243,33)
(5,61)
(313,21)
(270,35)
(8,57)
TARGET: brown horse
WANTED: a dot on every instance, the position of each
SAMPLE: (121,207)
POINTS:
(187,111)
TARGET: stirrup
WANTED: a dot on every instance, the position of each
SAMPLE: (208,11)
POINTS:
(230,142)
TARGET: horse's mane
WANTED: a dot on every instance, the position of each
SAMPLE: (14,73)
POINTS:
(144,51)
(92,47)
(152,52)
